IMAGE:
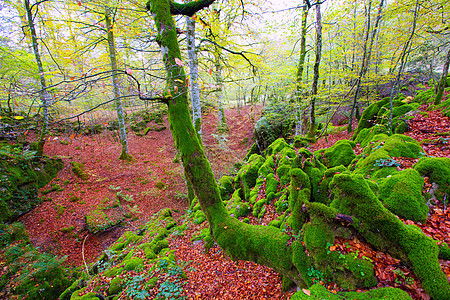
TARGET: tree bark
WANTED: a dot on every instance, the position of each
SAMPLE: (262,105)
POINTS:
(46,99)
(301,63)
(262,244)
(312,117)
(193,68)
(402,63)
(116,86)
(440,89)
(362,69)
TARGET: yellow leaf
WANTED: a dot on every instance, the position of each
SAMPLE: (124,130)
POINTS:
(18,117)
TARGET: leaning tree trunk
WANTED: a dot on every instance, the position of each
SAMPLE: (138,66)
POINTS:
(262,244)
(46,99)
(312,117)
(440,90)
(193,68)
(362,70)
(402,63)
(301,63)
(115,80)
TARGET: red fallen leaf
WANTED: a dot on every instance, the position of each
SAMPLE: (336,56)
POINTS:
(307,292)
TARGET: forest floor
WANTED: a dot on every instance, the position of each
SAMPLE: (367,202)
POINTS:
(155,181)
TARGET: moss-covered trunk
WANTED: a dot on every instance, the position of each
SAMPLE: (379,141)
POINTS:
(261,244)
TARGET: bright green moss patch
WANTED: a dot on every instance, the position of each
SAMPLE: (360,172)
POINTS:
(318,291)
(437,169)
(402,195)
(236,207)
(354,197)
(248,174)
(341,153)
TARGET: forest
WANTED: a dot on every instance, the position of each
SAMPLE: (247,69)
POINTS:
(224,149)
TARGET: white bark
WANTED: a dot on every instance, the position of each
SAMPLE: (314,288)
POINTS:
(193,67)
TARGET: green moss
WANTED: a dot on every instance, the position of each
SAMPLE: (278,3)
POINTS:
(116,286)
(318,291)
(354,197)
(299,194)
(248,174)
(366,135)
(113,272)
(226,187)
(369,116)
(87,296)
(341,153)
(402,195)
(78,169)
(101,219)
(277,146)
(236,207)
(133,263)
(437,169)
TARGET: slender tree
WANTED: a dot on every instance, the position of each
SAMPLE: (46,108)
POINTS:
(362,69)
(193,68)
(46,99)
(440,89)
(301,63)
(116,84)
(403,59)
(312,117)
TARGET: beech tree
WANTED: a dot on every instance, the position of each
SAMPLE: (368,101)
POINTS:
(46,98)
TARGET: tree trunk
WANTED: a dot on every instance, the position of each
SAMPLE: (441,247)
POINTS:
(116,87)
(301,63)
(223,127)
(312,117)
(362,70)
(193,68)
(262,244)
(440,90)
(402,63)
(46,99)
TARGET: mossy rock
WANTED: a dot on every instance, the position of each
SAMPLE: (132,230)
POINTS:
(101,219)
(116,286)
(22,175)
(138,126)
(247,175)
(369,116)
(88,296)
(402,195)
(366,135)
(437,169)
(78,169)
(236,207)
(226,186)
(277,146)
(302,141)
(386,232)
(341,153)
(133,263)
(318,291)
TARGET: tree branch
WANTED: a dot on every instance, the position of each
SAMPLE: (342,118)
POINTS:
(186,9)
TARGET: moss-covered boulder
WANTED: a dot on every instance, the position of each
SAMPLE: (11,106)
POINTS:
(318,291)
(402,195)
(437,169)
(78,169)
(247,175)
(101,219)
(341,153)
(21,177)
(236,207)
(369,116)
(386,232)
